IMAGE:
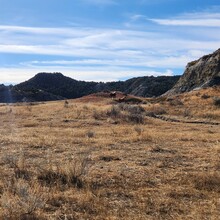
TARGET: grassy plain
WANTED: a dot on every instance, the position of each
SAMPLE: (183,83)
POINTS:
(92,158)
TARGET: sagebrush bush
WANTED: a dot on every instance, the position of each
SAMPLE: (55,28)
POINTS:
(22,199)
(98,115)
(90,134)
(114,112)
(135,118)
(216,101)
(158,110)
(133,109)
(186,112)
(139,130)
(205,96)
(155,110)
(175,102)
(208,182)
(69,174)
(18,164)
(66,104)
(128,113)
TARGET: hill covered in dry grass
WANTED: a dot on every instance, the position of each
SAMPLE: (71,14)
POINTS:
(96,158)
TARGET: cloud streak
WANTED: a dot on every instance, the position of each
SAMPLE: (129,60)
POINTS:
(192,19)
(95,43)
(188,22)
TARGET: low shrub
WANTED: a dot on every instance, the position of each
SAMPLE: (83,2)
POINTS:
(90,134)
(114,112)
(205,96)
(70,174)
(18,164)
(22,200)
(157,110)
(216,101)
(132,109)
(66,104)
(129,113)
(135,118)
(139,130)
(176,102)
(208,182)
(98,115)
(56,178)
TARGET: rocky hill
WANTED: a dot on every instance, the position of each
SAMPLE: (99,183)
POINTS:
(56,86)
(200,73)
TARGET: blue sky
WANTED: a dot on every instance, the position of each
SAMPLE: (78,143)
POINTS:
(104,40)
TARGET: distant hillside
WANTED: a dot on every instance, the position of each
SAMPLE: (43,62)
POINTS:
(204,72)
(10,94)
(56,86)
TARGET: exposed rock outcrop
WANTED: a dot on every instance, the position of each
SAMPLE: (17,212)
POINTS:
(200,73)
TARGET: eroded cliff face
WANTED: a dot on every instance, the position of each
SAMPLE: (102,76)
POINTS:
(201,73)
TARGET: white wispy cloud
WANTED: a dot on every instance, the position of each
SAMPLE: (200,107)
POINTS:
(203,19)
(188,22)
(96,43)
(162,62)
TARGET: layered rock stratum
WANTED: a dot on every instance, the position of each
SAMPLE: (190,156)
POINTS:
(201,73)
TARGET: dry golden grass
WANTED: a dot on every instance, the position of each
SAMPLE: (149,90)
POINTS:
(192,105)
(75,160)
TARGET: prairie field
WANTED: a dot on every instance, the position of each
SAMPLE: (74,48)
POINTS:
(95,158)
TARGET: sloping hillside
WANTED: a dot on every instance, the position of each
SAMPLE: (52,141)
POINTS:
(56,86)
(200,73)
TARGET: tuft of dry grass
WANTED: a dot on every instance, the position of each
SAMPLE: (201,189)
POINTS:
(208,182)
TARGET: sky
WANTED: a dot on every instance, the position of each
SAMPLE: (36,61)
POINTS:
(104,40)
